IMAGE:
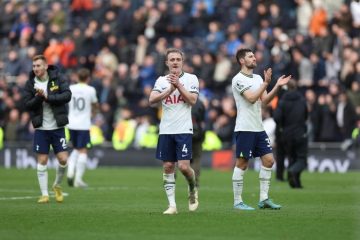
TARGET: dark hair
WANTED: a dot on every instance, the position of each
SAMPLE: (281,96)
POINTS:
(39,57)
(241,53)
(174,50)
(292,85)
(83,74)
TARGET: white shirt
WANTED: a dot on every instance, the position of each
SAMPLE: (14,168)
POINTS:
(48,122)
(83,96)
(248,115)
(176,113)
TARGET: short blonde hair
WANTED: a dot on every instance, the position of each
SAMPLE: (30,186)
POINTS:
(174,50)
(39,57)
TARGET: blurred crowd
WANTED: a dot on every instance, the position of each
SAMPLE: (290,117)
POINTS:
(122,42)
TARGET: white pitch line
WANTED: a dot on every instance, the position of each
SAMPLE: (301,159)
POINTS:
(17,190)
(27,197)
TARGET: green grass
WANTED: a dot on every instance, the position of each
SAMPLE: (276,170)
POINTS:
(127,203)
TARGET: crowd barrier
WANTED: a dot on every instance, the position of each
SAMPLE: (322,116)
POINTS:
(321,158)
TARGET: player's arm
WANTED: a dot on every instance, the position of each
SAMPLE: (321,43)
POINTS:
(61,97)
(189,97)
(30,98)
(253,96)
(156,96)
(267,97)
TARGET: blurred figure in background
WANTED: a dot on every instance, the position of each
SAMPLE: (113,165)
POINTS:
(82,106)
(291,117)
(198,119)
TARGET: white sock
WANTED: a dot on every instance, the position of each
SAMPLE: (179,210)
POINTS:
(237,180)
(42,175)
(60,171)
(264,177)
(80,167)
(72,163)
(169,186)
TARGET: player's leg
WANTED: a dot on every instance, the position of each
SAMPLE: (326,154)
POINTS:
(165,152)
(72,158)
(41,148)
(71,166)
(82,142)
(169,186)
(265,175)
(264,150)
(80,168)
(183,155)
(42,175)
(60,149)
(244,142)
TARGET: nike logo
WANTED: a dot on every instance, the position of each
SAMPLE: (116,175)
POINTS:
(184,155)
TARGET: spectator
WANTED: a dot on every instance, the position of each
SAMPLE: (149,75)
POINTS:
(95,24)
(291,116)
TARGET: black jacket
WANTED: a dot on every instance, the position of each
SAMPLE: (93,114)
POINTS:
(198,118)
(291,115)
(59,95)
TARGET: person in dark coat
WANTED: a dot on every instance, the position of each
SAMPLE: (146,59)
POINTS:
(198,119)
(45,96)
(291,116)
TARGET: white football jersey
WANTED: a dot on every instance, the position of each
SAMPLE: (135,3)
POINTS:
(248,115)
(176,113)
(48,121)
(83,96)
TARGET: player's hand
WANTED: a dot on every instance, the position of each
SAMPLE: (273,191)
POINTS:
(174,80)
(283,80)
(40,93)
(267,75)
(172,88)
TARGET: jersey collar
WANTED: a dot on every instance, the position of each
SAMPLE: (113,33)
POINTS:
(247,75)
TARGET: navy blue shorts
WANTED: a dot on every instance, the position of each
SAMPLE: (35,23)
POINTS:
(43,139)
(174,147)
(252,144)
(80,138)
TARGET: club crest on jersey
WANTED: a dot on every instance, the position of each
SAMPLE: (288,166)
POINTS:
(173,99)
(53,87)
(240,85)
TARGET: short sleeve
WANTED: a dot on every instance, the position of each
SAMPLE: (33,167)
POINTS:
(194,85)
(159,85)
(241,86)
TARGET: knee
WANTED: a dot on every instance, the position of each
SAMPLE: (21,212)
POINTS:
(242,164)
(268,163)
(183,167)
(168,167)
(62,157)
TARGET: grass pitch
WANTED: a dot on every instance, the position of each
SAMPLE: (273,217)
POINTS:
(127,203)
